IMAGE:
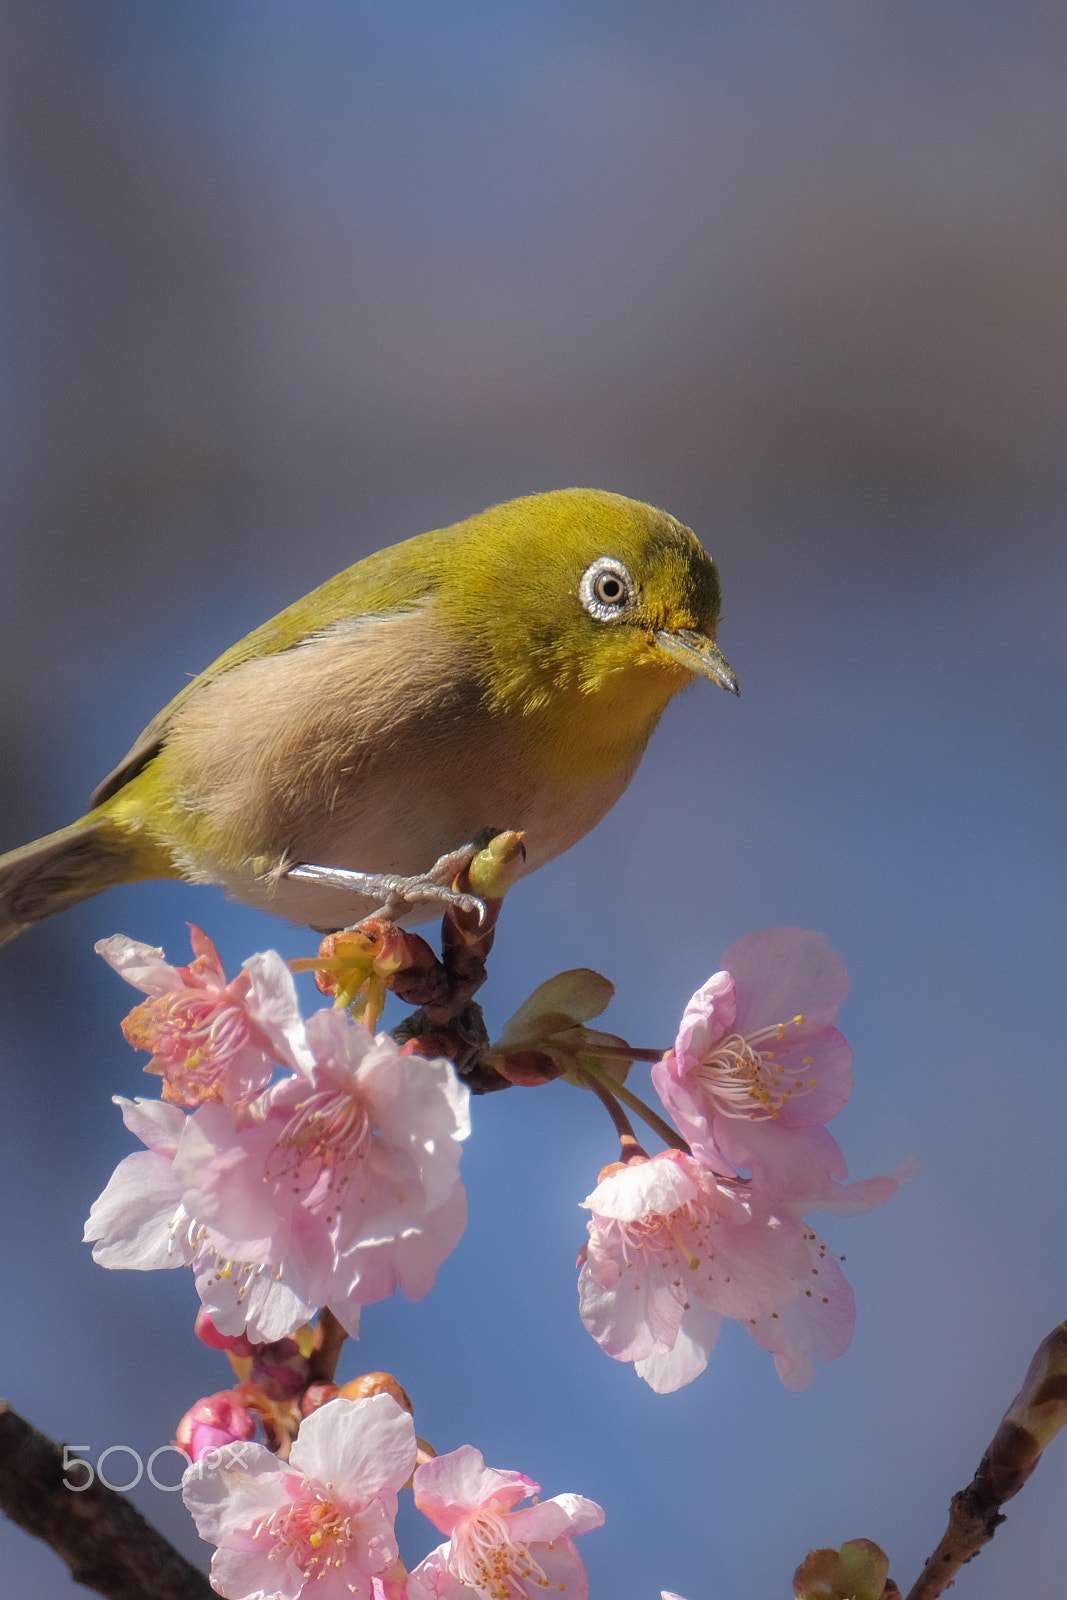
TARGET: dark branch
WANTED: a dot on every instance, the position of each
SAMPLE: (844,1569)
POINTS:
(104,1540)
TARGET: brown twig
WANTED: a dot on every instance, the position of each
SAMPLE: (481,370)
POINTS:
(326,1350)
(971,1524)
(1031,1422)
(104,1540)
(451,1024)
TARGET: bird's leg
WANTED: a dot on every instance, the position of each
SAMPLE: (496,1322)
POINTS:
(396,892)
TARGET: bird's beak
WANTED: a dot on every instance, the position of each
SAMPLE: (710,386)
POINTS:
(700,654)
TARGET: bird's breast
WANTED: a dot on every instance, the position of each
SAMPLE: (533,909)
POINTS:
(374,746)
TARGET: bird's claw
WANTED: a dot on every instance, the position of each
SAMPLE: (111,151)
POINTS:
(401,892)
(396,892)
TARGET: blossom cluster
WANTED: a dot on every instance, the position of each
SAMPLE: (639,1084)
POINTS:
(322,1522)
(332,1186)
(300,1164)
(681,1240)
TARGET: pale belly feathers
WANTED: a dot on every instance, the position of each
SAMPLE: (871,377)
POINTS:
(370,748)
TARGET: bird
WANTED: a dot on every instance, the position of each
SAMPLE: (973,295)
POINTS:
(505,672)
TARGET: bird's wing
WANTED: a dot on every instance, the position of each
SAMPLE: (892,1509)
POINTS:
(395,579)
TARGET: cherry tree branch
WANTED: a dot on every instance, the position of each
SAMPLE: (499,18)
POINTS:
(326,1350)
(104,1540)
(1032,1420)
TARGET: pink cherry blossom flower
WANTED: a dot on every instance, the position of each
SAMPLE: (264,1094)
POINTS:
(757,1053)
(496,1548)
(758,1067)
(140,1223)
(138,1220)
(349,1183)
(674,1249)
(334,1190)
(211,1040)
(320,1524)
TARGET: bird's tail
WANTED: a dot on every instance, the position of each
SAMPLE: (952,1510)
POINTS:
(59,870)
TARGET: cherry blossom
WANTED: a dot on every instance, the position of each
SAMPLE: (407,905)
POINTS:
(674,1249)
(348,1186)
(758,1053)
(138,1220)
(139,1223)
(497,1548)
(320,1524)
(332,1190)
(211,1040)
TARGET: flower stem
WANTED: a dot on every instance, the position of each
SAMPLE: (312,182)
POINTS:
(623,1125)
(600,1076)
(628,1052)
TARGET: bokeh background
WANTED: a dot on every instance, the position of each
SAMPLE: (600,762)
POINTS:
(285,282)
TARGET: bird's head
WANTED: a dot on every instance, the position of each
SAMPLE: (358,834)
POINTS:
(581,591)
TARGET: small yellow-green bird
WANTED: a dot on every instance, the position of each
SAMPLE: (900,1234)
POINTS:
(503,672)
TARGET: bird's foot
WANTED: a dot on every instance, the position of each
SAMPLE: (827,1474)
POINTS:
(397,893)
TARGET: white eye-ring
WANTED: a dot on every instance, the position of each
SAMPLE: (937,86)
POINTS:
(606,590)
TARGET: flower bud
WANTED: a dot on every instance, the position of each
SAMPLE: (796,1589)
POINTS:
(376,1383)
(431,1045)
(213,1422)
(279,1370)
(493,869)
(1032,1421)
(527,1068)
(858,1571)
(235,1344)
(316,1395)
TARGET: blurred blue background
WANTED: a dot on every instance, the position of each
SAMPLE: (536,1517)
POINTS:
(287,282)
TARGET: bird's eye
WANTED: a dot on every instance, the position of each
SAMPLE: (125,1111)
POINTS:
(606,589)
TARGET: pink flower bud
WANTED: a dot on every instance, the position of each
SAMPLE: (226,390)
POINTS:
(316,1395)
(234,1344)
(213,1422)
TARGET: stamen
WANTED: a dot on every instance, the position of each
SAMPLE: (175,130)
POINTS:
(484,1558)
(668,1236)
(327,1134)
(316,1531)
(746,1080)
(192,1036)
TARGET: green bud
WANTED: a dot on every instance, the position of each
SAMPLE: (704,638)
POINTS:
(858,1571)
